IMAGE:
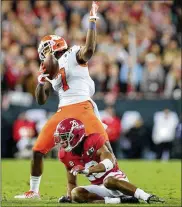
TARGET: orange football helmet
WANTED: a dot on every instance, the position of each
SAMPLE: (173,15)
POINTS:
(51,44)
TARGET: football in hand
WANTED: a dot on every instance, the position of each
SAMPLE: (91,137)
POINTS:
(51,65)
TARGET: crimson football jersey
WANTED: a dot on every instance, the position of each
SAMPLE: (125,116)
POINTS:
(89,158)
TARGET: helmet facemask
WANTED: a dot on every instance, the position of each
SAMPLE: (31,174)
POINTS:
(63,138)
(44,49)
(51,44)
(67,137)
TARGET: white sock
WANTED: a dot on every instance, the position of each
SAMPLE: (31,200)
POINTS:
(111,200)
(140,194)
(35,183)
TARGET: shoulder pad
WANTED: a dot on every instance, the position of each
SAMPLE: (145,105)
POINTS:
(75,48)
(93,138)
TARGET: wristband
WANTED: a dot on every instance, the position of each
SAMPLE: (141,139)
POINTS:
(41,83)
(107,164)
(92,25)
(93,18)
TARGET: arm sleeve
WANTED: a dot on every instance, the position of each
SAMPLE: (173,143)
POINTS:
(95,142)
(100,142)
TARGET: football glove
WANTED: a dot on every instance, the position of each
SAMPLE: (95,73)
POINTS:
(93,11)
(79,170)
(42,77)
(64,199)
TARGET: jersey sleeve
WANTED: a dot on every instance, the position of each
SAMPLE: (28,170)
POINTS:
(74,51)
(94,143)
(99,142)
(62,157)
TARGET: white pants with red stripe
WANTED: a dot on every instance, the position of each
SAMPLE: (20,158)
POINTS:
(102,191)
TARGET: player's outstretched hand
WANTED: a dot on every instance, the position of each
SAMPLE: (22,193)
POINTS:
(42,77)
(64,199)
(93,11)
(79,169)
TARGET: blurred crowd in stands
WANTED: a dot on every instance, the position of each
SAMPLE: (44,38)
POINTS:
(138,44)
(138,56)
(131,138)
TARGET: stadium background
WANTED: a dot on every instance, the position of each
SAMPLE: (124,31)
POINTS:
(136,68)
(137,72)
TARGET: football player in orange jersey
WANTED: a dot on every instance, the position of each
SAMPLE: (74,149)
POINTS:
(74,86)
(89,155)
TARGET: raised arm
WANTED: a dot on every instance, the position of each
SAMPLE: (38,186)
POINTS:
(86,52)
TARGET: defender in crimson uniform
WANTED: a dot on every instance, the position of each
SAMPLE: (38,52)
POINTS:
(74,87)
(89,155)
(91,144)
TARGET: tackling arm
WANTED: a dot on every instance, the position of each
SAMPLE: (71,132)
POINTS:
(86,52)
(107,161)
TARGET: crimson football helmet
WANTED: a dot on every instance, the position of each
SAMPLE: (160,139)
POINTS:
(70,131)
(51,44)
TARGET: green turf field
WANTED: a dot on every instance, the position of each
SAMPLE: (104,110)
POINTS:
(160,178)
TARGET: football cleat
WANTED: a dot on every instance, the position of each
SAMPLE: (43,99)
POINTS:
(28,195)
(128,199)
(154,199)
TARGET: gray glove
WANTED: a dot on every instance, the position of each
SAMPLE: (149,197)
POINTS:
(64,199)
